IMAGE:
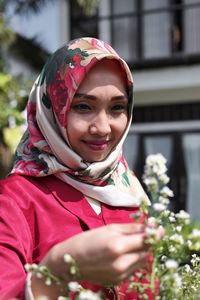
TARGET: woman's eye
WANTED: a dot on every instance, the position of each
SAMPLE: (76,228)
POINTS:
(119,108)
(82,107)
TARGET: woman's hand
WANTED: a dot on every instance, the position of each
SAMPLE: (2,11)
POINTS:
(105,255)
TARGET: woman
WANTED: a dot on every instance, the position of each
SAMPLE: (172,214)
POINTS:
(70,190)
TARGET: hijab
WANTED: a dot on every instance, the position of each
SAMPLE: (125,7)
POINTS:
(44,148)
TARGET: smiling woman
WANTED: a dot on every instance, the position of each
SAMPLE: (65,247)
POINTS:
(99,112)
(70,188)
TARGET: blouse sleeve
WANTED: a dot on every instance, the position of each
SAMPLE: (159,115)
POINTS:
(15,249)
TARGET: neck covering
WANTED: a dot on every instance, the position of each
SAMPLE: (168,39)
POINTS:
(44,148)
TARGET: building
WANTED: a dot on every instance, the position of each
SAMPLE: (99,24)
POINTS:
(160,41)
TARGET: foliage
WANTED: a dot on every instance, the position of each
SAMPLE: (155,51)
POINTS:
(176,257)
(22,7)
(88,6)
(12,97)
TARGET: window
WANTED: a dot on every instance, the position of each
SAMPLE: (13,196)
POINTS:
(144,31)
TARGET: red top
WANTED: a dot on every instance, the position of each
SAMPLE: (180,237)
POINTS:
(37,213)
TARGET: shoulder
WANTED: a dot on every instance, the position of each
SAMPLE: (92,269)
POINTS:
(26,189)
(15,183)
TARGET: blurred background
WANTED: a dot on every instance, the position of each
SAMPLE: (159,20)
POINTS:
(160,40)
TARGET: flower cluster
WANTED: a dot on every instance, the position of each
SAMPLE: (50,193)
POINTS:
(72,290)
(176,257)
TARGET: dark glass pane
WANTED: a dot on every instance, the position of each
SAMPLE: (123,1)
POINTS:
(125,37)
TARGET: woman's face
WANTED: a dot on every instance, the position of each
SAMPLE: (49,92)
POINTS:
(98,114)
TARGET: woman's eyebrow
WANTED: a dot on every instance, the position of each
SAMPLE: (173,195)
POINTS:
(121,97)
(89,96)
(84,95)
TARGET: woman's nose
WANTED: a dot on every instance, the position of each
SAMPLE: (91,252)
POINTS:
(100,125)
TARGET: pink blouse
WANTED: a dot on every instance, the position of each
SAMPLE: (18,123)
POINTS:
(37,213)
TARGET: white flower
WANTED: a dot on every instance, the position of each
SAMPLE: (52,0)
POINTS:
(177,238)
(166,213)
(187,268)
(165,191)
(150,181)
(155,158)
(171,264)
(195,233)
(68,258)
(172,219)
(196,257)
(151,221)
(154,234)
(172,249)
(48,281)
(177,280)
(163,200)
(155,164)
(89,295)
(164,179)
(178,228)
(159,206)
(74,286)
(183,215)
(163,258)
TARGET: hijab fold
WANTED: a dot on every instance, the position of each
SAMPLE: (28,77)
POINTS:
(44,148)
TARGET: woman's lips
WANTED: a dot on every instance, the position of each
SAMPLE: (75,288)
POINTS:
(97,145)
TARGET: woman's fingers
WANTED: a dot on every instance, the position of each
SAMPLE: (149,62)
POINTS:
(129,228)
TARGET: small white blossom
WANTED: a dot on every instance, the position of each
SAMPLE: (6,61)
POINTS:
(159,169)
(39,275)
(165,191)
(68,258)
(172,249)
(187,268)
(159,206)
(150,181)
(195,257)
(183,215)
(164,200)
(177,238)
(48,281)
(178,228)
(157,163)
(164,179)
(151,221)
(153,234)
(195,233)
(177,280)
(89,295)
(171,264)
(166,213)
(74,286)
(163,258)
(172,219)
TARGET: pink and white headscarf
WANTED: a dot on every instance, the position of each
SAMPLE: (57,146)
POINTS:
(44,148)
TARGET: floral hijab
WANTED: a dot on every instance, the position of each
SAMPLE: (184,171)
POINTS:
(44,148)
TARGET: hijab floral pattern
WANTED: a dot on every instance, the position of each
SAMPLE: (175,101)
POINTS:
(44,148)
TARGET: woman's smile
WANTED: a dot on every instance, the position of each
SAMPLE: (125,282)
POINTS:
(97,145)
